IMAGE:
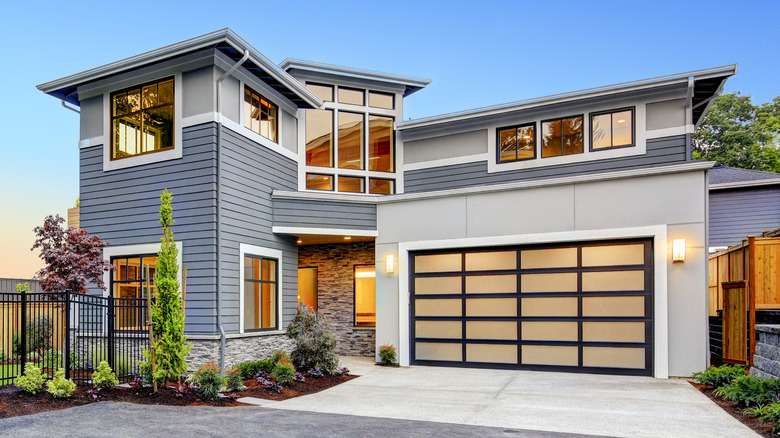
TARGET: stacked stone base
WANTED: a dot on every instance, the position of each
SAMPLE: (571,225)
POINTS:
(237,349)
(766,361)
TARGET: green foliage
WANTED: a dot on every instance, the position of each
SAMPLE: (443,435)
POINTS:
(387,354)
(52,358)
(283,372)
(208,381)
(123,363)
(715,377)
(749,391)
(16,345)
(3,355)
(738,133)
(40,334)
(233,380)
(32,380)
(250,369)
(59,386)
(313,342)
(22,288)
(104,377)
(768,414)
(169,344)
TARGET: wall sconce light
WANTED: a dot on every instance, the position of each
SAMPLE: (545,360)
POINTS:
(678,250)
(390,264)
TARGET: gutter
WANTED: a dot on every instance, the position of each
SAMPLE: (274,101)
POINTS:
(222,335)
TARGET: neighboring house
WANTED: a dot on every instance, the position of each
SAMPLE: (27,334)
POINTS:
(534,235)
(743,202)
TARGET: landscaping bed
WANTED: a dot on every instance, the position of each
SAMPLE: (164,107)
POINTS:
(737,412)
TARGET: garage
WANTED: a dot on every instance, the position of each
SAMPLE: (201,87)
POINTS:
(579,307)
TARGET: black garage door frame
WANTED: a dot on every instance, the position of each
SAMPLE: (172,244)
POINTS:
(647,293)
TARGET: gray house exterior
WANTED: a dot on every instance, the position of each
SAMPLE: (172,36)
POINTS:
(534,235)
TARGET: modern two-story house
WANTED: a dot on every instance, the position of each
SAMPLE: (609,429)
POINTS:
(534,235)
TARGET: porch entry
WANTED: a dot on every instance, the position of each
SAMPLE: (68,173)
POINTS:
(583,307)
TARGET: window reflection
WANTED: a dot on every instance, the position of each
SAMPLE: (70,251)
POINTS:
(350,140)
(316,181)
(612,129)
(517,143)
(351,96)
(261,115)
(378,186)
(380,143)
(319,138)
(381,100)
(351,184)
(142,119)
(324,92)
(562,136)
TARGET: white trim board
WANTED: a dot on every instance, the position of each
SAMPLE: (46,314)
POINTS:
(660,296)
(297,231)
(246,249)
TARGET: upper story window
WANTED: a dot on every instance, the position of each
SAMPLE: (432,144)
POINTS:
(517,143)
(324,92)
(142,119)
(381,100)
(562,136)
(351,96)
(261,115)
(612,129)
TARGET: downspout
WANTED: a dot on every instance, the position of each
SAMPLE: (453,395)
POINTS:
(70,107)
(222,338)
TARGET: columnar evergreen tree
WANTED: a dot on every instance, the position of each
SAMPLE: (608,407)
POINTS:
(169,343)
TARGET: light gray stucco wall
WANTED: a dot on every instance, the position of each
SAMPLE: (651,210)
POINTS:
(447,146)
(666,114)
(675,200)
(91,118)
(289,128)
(198,87)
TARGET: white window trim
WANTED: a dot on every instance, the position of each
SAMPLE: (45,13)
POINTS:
(252,250)
(154,157)
(660,263)
(133,250)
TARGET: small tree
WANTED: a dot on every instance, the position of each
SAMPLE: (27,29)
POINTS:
(314,344)
(169,344)
(73,257)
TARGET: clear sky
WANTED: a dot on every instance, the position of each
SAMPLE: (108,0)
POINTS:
(478,53)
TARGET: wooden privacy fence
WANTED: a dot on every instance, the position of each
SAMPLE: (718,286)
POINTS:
(742,279)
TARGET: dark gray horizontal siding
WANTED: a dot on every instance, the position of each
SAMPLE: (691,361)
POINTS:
(324,214)
(250,173)
(661,151)
(122,207)
(738,213)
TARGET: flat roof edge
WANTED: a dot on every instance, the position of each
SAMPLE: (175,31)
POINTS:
(355,72)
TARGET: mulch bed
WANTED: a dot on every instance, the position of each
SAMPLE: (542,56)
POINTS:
(736,412)
(14,402)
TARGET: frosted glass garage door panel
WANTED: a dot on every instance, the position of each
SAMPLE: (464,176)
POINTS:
(491,330)
(491,307)
(491,353)
(437,285)
(566,306)
(548,258)
(613,255)
(613,306)
(486,284)
(550,355)
(438,329)
(563,282)
(491,261)
(613,357)
(613,281)
(438,307)
(549,331)
(613,331)
(437,351)
(437,263)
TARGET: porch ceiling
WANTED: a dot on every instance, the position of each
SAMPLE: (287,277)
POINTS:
(320,239)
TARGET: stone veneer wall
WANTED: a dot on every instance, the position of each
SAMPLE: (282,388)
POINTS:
(335,295)
(237,349)
(766,361)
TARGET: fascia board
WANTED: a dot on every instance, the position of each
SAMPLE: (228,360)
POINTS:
(353,72)
(741,184)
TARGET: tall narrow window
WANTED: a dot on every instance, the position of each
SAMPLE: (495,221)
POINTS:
(142,119)
(380,144)
(131,283)
(261,115)
(307,287)
(517,143)
(612,129)
(319,138)
(562,136)
(350,140)
(260,293)
(365,296)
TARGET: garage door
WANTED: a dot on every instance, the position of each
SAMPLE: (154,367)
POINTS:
(583,307)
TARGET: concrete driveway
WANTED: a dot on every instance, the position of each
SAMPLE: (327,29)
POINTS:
(555,402)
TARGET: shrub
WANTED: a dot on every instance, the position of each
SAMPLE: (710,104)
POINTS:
(33,356)
(251,368)
(233,381)
(52,358)
(208,380)
(299,378)
(279,355)
(715,377)
(387,354)
(123,364)
(3,356)
(32,380)
(16,345)
(40,331)
(768,414)
(316,373)
(313,343)
(59,386)
(749,391)
(283,372)
(75,361)
(104,377)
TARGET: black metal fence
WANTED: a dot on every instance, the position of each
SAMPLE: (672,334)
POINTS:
(71,331)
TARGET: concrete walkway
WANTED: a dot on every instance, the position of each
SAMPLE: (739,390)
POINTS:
(558,402)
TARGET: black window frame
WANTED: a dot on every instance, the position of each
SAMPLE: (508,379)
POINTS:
(275,282)
(561,119)
(123,308)
(498,142)
(261,97)
(368,186)
(332,182)
(612,111)
(141,111)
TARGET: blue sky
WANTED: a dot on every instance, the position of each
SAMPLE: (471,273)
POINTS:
(477,53)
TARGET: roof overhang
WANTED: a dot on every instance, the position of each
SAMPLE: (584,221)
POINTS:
(411,83)
(707,84)
(745,184)
(224,40)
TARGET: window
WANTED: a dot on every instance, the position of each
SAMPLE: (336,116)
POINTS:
(316,181)
(260,293)
(562,136)
(517,143)
(381,156)
(131,282)
(142,119)
(351,96)
(351,184)
(350,140)
(319,138)
(379,186)
(307,287)
(381,100)
(324,92)
(365,296)
(612,129)
(261,115)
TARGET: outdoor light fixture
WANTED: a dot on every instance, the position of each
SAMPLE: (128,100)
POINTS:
(678,250)
(390,264)
(347,238)
(300,241)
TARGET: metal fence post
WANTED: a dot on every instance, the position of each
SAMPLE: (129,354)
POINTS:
(66,359)
(23,338)
(111,332)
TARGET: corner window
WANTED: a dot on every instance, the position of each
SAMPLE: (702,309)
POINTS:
(612,129)
(562,136)
(132,282)
(261,115)
(142,119)
(260,293)
(365,296)
(517,143)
